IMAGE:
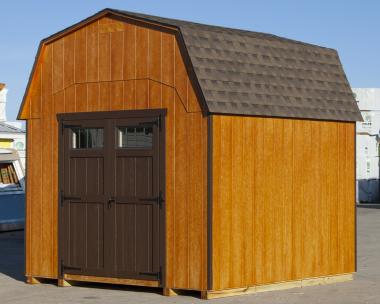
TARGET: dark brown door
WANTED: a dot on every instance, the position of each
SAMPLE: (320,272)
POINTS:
(112,195)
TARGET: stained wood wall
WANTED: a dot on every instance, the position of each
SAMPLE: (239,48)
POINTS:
(114,65)
(283,200)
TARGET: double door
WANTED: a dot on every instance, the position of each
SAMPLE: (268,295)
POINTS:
(112,194)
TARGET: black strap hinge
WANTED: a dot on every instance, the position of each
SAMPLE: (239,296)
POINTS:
(157,275)
(64,198)
(159,199)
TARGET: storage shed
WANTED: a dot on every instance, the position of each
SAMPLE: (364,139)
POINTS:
(187,156)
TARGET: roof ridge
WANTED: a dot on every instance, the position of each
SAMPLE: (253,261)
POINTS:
(212,26)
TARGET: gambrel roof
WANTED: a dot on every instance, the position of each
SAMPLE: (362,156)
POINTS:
(249,73)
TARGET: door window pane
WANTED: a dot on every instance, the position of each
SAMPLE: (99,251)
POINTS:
(87,138)
(135,137)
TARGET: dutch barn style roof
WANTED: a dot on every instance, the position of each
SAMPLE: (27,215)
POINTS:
(249,73)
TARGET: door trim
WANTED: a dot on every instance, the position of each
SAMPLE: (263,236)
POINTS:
(111,114)
(106,280)
(160,114)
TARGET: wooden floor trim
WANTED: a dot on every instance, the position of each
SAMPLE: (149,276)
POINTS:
(213,294)
(82,278)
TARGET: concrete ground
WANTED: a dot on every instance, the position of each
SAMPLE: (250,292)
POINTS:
(364,289)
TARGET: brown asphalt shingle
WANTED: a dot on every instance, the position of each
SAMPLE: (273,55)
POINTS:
(250,73)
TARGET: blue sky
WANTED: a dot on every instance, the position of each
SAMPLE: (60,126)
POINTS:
(351,27)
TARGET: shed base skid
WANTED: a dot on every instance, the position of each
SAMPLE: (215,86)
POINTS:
(213,294)
(205,294)
(63,283)
(168,292)
(32,280)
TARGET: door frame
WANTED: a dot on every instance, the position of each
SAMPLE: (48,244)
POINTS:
(160,115)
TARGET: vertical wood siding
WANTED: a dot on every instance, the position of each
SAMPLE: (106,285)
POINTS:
(112,65)
(283,200)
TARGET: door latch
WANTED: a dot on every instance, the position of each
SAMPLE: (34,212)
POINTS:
(109,202)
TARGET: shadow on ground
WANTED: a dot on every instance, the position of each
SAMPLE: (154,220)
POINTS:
(12,265)
(12,254)
(106,286)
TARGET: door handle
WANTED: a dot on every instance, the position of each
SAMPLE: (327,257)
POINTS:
(110,201)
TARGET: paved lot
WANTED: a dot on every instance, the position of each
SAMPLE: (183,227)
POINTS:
(364,289)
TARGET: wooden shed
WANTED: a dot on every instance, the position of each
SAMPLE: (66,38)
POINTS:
(186,156)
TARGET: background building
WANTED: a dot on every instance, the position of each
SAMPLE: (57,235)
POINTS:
(12,164)
(12,135)
(367,145)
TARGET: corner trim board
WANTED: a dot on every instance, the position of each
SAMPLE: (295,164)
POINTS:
(355,206)
(209,202)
